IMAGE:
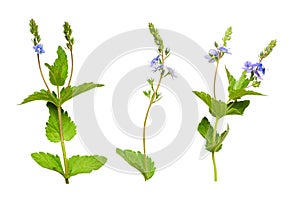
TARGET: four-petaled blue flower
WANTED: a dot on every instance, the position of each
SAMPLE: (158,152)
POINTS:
(212,55)
(256,68)
(224,50)
(39,49)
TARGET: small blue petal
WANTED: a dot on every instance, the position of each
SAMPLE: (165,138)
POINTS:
(213,52)
(224,50)
(39,49)
(155,60)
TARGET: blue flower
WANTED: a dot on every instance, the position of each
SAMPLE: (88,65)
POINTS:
(39,49)
(154,61)
(213,52)
(224,50)
(157,67)
(212,55)
(257,69)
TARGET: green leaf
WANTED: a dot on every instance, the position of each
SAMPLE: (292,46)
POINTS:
(41,95)
(85,164)
(136,160)
(237,108)
(58,72)
(48,161)
(237,88)
(52,126)
(216,107)
(231,80)
(217,145)
(242,82)
(205,129)
(220,139)
(70,92)
(147,93)
(237,94)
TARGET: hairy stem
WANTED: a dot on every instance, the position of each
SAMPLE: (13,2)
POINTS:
(41,72)
(215,127)
(215,167)
(215,79)
(62,143)
(146,117)
(72,65)
(215,131)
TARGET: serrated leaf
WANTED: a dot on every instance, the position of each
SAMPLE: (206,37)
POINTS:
(70,92)
(41,95)
(242,82)
(204,128)
(216,107)
(220,139)
(52,126)
(136,160)
(48,161)
(85,164)
(231,80)
(237,108)
(58,72)
(237,94)
(217,145)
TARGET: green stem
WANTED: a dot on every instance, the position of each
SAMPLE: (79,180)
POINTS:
(215,127)
(215,131)
(72,65)
(215,79)
(215,167)
(41,72)
(62,143)
(146,117)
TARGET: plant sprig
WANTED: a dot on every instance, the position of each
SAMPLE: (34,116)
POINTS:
(237,89)
(141,161)
(60,127)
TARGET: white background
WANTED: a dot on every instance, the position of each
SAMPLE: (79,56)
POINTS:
(260,157)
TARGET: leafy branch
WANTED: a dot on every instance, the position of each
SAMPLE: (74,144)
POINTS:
(140,161)
(237,89)
(60,127)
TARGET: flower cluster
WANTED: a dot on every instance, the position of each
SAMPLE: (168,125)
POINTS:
(238,88)
(217,54)
(157,65)
(256,69)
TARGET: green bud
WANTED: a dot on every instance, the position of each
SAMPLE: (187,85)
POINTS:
(68,35)
(227,36)
(256,84)
(268,49)
(216,44)
(157,39)
(34,31)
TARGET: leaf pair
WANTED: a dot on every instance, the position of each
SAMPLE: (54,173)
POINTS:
(237,88)
(213,144)
(77,164)
(137,160)
(65,94)
(219,109)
